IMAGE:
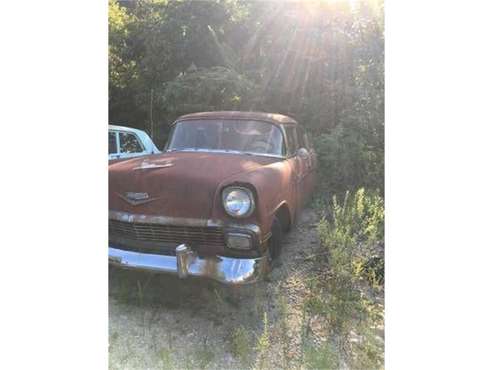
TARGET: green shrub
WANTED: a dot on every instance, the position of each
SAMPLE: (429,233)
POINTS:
(240,346)
(323,357)
(353,232)
(351,156)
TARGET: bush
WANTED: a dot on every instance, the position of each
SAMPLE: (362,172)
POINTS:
(353,232)
(350,157)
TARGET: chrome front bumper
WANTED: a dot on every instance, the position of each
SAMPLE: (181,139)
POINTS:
(226,270)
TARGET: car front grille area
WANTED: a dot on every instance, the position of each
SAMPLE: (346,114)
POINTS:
(163,239)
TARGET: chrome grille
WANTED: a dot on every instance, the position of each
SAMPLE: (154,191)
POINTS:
(169,234)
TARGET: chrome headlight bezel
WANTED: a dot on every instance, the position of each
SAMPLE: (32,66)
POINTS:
(227,190)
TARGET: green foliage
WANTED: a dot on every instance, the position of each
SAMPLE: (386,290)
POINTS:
(240,346)
(352,233)
(351,156)
(263,341)
(121,67)
(204,89)
(204,356)
(323,357)
(165,355)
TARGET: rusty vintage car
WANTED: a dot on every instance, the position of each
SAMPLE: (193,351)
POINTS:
(216,202)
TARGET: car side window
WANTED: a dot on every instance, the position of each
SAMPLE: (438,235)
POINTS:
(129,143)
(292,143)
(111,143)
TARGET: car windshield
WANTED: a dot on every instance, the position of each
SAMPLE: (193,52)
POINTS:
(243,136)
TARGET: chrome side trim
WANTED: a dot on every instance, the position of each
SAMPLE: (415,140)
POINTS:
(225,270)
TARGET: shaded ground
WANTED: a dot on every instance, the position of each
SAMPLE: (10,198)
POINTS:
(159,321)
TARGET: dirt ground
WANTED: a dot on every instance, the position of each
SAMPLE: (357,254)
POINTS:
(159,321)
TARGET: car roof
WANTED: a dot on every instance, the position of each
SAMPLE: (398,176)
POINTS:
(124,128)
(275,118)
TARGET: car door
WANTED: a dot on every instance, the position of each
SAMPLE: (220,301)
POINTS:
(129,145)
(298,163)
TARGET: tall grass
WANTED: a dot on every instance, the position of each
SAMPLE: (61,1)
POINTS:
(352,233)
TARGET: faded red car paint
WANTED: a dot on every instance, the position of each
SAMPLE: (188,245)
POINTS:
(188,185)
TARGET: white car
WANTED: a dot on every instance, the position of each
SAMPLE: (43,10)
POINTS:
(128,142)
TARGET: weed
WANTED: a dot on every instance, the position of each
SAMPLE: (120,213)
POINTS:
(283,318)
(240,346)
(114,336)
(166,359)
(221,302)
(141,289)
(112,340)
(140,293)
(188,363)
(367,350)
(123,292)
(323,357)
(315,304)
(263,342)
(353,236)
(204,355)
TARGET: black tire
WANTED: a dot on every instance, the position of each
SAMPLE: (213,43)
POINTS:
(276,239)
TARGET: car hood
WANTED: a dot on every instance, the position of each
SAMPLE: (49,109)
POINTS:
(175,184)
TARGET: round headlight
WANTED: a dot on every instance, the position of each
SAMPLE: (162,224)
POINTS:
(238,202)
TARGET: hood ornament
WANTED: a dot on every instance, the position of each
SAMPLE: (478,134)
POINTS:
(146,165)
(136,198)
